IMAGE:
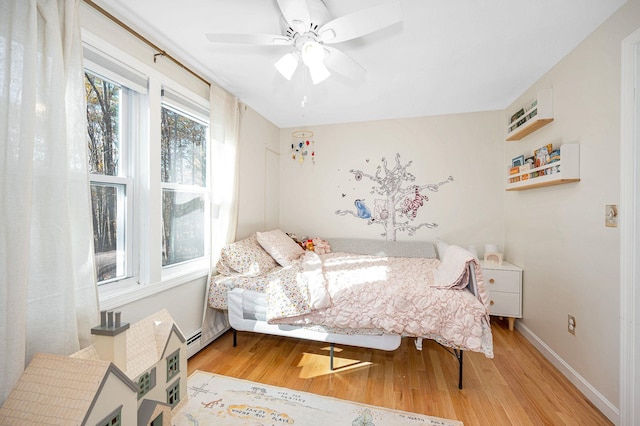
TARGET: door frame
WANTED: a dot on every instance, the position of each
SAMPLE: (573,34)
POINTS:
(629,237)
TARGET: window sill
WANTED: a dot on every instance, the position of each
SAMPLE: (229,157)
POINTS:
(114,296)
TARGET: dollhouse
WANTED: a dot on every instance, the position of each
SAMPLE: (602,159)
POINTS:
(131,374)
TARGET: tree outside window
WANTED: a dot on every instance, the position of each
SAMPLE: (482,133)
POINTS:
(108,193)
(184,185)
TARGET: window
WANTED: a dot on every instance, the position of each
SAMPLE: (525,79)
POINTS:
(173,394)
(144,385)
(149,161)
(113,419)
(184,186)
(173,364)
(106,123)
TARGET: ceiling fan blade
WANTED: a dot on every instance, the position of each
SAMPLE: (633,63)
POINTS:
(360,23)
(260,39)
(296,13)
(343,64)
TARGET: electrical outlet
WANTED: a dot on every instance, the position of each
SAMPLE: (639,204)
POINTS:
(571,324)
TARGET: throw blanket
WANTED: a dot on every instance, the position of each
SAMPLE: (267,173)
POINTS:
(410,296)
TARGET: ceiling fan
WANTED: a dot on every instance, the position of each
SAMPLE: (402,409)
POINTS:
(308,29)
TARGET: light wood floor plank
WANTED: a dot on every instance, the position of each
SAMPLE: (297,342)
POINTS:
(518,387)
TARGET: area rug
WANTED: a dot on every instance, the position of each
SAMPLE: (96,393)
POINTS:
(220,400)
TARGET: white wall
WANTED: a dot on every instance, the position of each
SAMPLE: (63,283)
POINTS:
(258,138)
(469,147)
(557,234)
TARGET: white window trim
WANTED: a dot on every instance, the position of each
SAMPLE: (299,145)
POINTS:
(194,109)
(153,278)
(128,233)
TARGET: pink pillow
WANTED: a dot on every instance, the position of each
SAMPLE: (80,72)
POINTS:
(280,246)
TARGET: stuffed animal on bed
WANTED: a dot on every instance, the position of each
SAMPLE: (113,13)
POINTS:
(316,244)
(308,245)
(321,246)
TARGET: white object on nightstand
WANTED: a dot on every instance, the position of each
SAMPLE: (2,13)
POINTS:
(504,286)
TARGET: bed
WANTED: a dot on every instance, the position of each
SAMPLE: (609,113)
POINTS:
(365,293)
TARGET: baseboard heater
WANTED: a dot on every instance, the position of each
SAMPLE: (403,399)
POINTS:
(194,343)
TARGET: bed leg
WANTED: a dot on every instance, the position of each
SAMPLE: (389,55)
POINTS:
(459,356)
(235,337)
(418,343)
(331,350)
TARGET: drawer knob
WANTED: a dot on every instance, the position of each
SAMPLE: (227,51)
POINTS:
(491,302)
(491,281)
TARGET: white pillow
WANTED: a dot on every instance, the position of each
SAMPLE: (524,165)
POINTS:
(280,246)
(442,248)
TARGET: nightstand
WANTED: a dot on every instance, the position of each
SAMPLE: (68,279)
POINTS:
(504,286)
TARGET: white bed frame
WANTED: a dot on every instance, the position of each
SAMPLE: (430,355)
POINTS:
(387,342)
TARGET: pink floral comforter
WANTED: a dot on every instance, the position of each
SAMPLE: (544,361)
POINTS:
(409,296)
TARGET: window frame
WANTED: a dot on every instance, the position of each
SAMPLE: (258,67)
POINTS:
(115,415)
(128,109)
(177,103)
(148,277)
(173,360)
(173,392)
(144,384)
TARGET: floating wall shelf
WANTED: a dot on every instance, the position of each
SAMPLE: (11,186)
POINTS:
(538,115)
(566,170)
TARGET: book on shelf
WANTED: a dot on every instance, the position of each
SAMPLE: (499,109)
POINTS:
(514,171)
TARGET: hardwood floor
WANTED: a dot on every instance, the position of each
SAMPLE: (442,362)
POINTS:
(518,387)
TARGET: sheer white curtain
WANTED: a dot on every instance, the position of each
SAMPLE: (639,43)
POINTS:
(224,152)
(48,300)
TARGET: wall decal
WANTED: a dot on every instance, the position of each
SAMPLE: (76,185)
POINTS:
(303,146)
(400,201)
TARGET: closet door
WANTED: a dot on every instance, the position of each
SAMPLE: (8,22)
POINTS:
(272,190)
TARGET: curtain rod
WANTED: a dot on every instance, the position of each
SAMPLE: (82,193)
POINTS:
(145,40)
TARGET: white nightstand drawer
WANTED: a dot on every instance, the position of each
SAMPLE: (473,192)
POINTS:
(506,281)
(505,304)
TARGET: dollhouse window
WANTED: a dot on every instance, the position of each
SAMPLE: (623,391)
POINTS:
(173,364)
(144,385)
(112,419)
(146,382)
(173,394)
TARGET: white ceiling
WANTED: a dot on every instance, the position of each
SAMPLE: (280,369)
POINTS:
(447,56)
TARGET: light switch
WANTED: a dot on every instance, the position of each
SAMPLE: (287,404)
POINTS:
(611,216)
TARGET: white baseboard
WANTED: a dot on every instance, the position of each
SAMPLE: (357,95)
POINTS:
(603,404)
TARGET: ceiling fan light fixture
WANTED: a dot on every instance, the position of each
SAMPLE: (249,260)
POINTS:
(312,53)
(287,65)
(319,72)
